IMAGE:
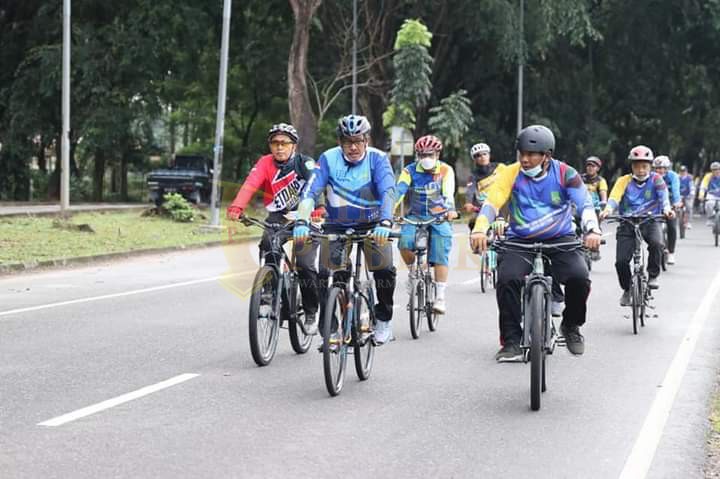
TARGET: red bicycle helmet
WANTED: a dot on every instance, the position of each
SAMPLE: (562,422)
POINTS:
(428,144)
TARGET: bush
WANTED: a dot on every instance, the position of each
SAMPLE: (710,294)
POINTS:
(178,208)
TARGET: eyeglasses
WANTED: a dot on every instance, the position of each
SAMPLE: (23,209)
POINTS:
(348,143)
(478,155)
(278,144)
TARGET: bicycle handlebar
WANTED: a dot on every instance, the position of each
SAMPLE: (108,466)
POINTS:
(350,235)
(437,220)
(510,245)
(636,219)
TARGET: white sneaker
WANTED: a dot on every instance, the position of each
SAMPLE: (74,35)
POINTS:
(688,226)
(670,258)
(557,308)
(439,306)
(383,332)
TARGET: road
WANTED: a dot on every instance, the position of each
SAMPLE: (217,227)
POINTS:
(436,407)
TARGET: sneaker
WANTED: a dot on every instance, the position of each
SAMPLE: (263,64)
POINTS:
(670,258)
(688,226)
(557,308)
(311,326)
(509,353)
(439,306)
(573,339)
(383,332)
(625,299)
(653,283)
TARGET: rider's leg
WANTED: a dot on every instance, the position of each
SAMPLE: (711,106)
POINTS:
(440,245)
(511,274)
(570,269)
(624,250)
(380,261)
(672,227)
(305,256)
(652,234)
(332,254)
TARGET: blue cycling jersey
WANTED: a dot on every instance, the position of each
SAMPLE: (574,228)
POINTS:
(672,179)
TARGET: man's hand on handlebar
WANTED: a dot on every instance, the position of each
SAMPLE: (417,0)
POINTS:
(478,241)
(592,241)
(670,214)
(451,215)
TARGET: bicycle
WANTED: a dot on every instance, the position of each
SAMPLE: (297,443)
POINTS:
(349,315)
(639,291)
(540,336)
(488,264)
(276,299)
(682,215)
(665,251)
(422,286)
(715,220)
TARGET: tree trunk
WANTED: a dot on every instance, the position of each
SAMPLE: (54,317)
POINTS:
(99,175)
(124,177)
(301,113)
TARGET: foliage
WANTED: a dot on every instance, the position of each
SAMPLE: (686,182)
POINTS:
(178,208)
(451,119)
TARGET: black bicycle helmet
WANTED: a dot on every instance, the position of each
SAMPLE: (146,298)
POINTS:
(536,138)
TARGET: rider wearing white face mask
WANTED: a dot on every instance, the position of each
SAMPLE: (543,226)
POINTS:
(430,184)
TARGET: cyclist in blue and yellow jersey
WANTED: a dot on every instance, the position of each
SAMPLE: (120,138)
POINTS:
(430,184)
(687,194)
(663,167)
(639,193)
(595,184)
(483,175)
(359,189)
(540,190)
(709,190)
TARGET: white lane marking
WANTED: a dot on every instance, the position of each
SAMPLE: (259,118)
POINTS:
(101,406)
(640,459)
(119,295)
(471,281)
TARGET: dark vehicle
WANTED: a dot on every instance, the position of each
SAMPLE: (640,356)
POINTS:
(188,175)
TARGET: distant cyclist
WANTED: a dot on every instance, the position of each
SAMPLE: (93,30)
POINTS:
(710,189)
(430,183)
(687,193)
(663,167)
(483,175)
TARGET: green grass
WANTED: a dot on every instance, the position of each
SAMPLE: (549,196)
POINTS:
(715,413)
(24,239)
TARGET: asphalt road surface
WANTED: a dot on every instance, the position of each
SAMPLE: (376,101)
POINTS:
(156,349)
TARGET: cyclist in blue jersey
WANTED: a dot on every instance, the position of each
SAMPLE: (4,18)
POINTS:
(540,190)
(639,193)
(359,190)
(431,187)
(687,193)
(663,167)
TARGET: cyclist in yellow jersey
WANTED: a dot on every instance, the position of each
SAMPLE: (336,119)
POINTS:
(709,190)
(483,175)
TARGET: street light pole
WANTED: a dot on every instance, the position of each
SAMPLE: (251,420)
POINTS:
(521,59)
(65,138)
(354,59)
(220,122)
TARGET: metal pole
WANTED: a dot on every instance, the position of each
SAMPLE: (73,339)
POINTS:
(354,59)
(521,59)
(220,122)
(65,138)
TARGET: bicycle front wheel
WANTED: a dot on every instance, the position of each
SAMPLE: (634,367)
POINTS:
(483,270)
(637,299)
(263,320)
(334,347)
(716,228)
(535,318)
(299,341)
(431,294)
(416,306)
(363,346)
(681,223)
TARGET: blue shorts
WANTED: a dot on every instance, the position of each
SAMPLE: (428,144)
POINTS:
(440,242)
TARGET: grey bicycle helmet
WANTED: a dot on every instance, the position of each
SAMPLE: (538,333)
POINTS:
(662,161)
(536,138)
(353,125)
(283,129)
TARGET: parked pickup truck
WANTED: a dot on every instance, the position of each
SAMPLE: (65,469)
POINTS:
(191,176)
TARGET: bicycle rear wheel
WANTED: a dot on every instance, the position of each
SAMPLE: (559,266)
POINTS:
(430,295)
(644,294)
(681,225)
(636,300)
(416,306)
(263,319)
(364,348)
(483,270)
(334,347)
(716,228)
(299,341)
(535,315)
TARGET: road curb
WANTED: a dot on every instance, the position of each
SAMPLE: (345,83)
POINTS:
(13,268)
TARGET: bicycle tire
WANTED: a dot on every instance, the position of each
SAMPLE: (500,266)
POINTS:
(363,346)
(416,300)
(643,294)
(536,312)
(432,317)
(716,229)
(681,225)
(334,347)
(299,341)
(483,268)
(263,344)
(635,299)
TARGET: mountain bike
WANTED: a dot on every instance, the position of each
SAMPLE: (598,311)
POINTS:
(423,289)
(682,215)
(640,293)
(276,300)
(349,314)
(540,337)
(715,220)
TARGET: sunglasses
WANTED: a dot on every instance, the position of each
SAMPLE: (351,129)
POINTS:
(278,144)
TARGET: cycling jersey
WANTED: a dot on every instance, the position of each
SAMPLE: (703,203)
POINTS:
(595,185)
(432,193)
(635,198)
(672,180)
(540,208)
(687,186)
(361,193)
(476,192)
(281,183)
(710,185)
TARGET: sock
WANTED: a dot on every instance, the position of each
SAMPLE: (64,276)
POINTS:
(441,290)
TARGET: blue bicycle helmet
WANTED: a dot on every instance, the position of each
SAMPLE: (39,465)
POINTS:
(353,125)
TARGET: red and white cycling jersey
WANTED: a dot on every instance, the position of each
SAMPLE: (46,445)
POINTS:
(281,183)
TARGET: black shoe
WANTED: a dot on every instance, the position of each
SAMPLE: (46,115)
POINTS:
(509,353)
(573,339)
(653,282)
